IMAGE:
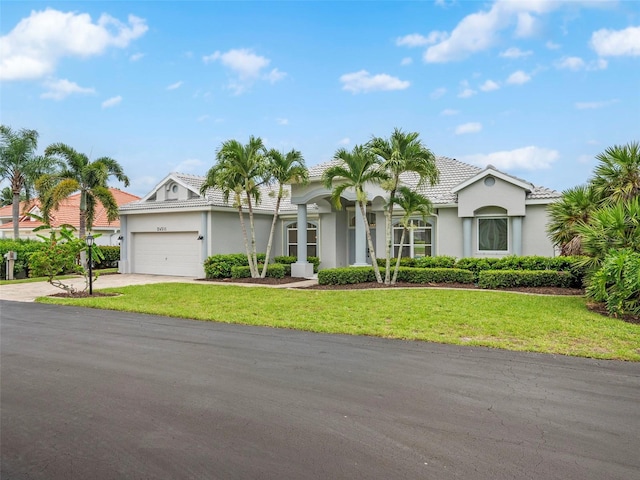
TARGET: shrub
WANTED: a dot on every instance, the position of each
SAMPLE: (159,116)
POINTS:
(219,266)
(476,265)
(404,262)
(434,275)
(288,260)
(111,256)
(617,283)
(346,275)
(274,270)
(441,261)
(523,278)
(24,248)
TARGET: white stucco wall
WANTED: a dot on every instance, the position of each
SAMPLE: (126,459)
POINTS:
(448,233)
(534,232)
(501,194)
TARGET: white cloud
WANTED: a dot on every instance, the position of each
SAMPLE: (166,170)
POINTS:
(526,158)
(202,118)
(552,46)
(344,141)
(577,63)
(515,52)
(585,159)
(438,93)
(34,47)
(479,31)
(282,121)
(417,40)
(467,93)
(518,78)
(59,89)
(449,112)
(364,82)
(189,165)
(175,86)
(406,61)
(614,43)
(594,105)
(246,66)
(473,127)
(489,86)
(112,102)
(136,56)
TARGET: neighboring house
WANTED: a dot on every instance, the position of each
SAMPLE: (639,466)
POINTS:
(477,213)
(67,213)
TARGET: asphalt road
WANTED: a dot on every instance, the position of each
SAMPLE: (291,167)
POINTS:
(89,394)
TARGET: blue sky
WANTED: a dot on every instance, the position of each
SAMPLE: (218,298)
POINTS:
(536,88)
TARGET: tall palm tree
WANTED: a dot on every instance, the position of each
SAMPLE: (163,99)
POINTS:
(413,204)
(575,207)
(20,165)
(617,176)
(283,168)
(355,170)
(80,174)
(241,169)
(402,152)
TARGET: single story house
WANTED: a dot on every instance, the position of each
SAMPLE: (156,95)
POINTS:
(67,213)
(476,213)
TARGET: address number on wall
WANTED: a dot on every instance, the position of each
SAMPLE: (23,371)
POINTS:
(161,229)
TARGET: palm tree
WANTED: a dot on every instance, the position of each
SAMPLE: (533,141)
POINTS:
(21,166)
(413,204)
(80,174)
(575,207)
(617,176)
(355,170)
(283,168)
(402,152)
(241,169)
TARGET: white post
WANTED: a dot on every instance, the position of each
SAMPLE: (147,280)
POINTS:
(302,268)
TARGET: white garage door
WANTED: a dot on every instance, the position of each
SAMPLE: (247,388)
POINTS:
(167,253)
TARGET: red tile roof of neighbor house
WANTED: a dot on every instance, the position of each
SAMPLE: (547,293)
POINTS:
(68,212)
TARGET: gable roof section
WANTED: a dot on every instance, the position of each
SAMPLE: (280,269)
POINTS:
(490,170)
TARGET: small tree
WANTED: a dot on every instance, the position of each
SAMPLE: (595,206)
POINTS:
(61,256)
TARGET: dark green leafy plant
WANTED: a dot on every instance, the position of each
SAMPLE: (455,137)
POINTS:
(523,278)
(274,270)
(617,283)
(219,266)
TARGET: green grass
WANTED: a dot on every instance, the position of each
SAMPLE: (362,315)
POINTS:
(546,324)
(62,277)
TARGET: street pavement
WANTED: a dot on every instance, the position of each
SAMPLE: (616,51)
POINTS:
(92,394)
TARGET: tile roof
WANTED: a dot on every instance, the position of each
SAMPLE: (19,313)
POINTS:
(68,212)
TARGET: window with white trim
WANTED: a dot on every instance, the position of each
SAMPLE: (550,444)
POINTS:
(417,240)
(292,240)
(493,234)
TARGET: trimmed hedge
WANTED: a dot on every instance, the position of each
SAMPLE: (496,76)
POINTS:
(350,275)
(111,256)
(523,278)
(274,270)
(441,261)
(404,262)
(219,266)
(24,248)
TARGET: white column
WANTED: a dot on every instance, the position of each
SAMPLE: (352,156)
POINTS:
(123,264)
(302,268)
(516,235)
(361,239)
(467,242)
(204,229)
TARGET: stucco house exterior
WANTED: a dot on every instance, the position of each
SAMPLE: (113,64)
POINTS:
(477,212)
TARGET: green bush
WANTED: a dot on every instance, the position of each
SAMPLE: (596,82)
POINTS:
(274,270)
(476,265)
(441,261)
(617,283)
(288,260)
(219,266)
(346,275)
(111,256)
(523,278)
(24,248)
(404,262)
(434,275)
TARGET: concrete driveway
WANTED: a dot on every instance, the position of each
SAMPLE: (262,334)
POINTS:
(28,292)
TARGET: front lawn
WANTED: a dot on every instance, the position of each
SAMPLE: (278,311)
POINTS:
(546,324)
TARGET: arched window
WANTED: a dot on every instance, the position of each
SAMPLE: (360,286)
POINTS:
(292,240)
(417,241)
(371,218)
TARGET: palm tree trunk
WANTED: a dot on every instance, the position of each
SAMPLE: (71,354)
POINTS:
(372,251)
(397,267)
(389,234)
(273,228)
(82,228)
(245,238)
(15,214)
(254,254)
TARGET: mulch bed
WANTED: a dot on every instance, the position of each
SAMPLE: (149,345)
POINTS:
(83,294)
(257,281)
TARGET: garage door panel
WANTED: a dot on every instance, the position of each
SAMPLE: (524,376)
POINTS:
(167,253)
